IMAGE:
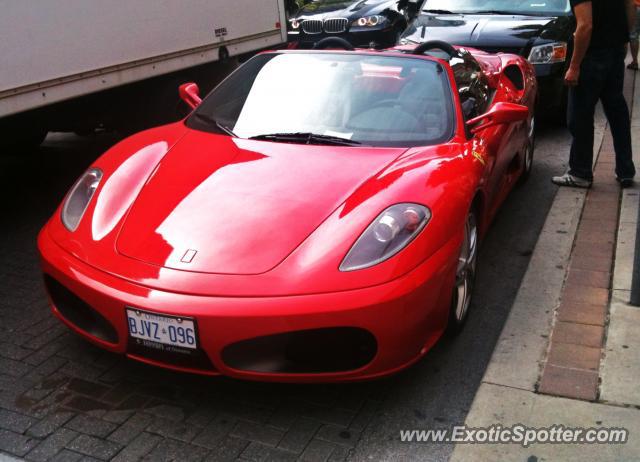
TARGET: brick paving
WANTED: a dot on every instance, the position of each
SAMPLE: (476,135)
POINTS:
(63,399)
(573,362)
(572,368)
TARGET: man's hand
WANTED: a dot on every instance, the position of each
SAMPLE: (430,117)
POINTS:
(572,77)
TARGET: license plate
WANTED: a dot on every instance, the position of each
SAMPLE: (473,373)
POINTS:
(166,330)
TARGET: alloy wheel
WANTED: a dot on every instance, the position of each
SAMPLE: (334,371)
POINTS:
(465,272)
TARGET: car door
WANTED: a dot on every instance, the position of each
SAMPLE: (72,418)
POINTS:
(503,144)
(486,146)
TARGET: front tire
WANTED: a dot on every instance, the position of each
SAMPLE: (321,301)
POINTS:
(528,154)
(465,276)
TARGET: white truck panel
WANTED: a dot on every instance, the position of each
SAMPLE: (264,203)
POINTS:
(58,49)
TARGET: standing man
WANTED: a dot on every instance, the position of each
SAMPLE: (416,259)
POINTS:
(597,73)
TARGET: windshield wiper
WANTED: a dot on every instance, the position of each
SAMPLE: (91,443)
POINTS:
(439,11)
(307,138)
(513,13)
(510,13)
(216,122)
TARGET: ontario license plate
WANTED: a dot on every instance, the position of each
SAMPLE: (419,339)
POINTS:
(166,330)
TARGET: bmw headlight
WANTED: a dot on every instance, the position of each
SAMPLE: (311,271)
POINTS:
(295,24)
(79,198)
(389,233)
(369,21)
(548,53)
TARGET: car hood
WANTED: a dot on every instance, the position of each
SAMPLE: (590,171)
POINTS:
(344,9)
(490,32)
(216,204)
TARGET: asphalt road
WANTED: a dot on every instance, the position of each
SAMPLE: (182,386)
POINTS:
(60,397)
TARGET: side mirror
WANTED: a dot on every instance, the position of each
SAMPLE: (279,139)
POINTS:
(190,94)
(501,113)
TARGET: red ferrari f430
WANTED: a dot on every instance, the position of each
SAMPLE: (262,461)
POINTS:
(315,218)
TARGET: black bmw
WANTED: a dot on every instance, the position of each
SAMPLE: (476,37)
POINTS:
(540,30)
(364,23)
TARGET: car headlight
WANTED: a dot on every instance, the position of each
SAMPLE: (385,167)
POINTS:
(79,198)
(548,53)
(369,21)
(295,24)
(389,233)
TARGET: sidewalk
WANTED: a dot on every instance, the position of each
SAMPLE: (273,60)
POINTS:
(570,351)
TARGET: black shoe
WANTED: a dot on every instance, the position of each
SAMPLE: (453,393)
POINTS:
(625,182)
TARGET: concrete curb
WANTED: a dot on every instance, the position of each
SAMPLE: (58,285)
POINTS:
(519,353)
(523,342)
(621,363)
(507,395)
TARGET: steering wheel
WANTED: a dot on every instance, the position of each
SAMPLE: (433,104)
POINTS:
(333,42)
(436,45)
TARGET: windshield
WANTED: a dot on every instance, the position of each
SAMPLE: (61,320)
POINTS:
(528,7)
(324,98)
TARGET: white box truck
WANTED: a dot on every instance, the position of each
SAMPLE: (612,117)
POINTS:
(75,65)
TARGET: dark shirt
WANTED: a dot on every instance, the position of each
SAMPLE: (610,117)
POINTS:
(610,25)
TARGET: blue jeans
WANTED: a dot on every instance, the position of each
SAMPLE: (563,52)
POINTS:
(601,78)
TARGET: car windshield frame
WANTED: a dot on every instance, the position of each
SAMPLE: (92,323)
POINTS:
(205,118)
(493,7)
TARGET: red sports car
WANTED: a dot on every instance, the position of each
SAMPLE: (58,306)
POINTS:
(315,218)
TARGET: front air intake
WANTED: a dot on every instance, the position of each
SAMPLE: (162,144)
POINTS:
(315,351)
(78,312)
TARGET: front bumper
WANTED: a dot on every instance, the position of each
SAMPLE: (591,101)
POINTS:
(379,38)
(405,316)
(552,92)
